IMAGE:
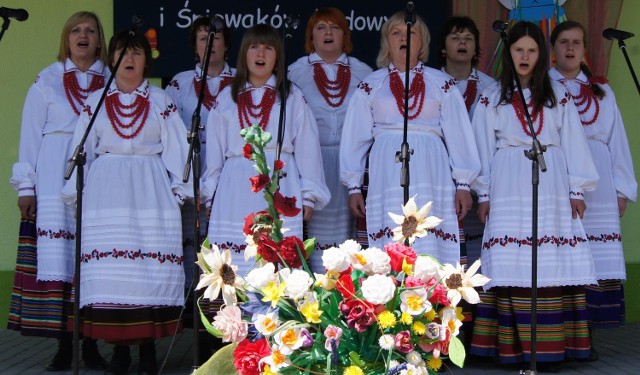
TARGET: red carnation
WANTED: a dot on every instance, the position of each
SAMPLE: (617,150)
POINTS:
(247,151)
(260,217)
(247,356)
(268,248)
(259,182)
(289,251)
(279,165)
(345,284)
(285,206)
(398,252)
(438,293)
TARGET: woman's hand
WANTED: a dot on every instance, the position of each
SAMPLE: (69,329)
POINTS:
(577,208)
(463,203)
(307,212)
(483,211)
(622,205)
(27,205)
(356,205)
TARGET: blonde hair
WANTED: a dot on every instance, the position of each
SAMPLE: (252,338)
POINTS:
(73,21)
(384,55)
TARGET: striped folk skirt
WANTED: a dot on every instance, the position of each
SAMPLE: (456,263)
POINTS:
(502,326)
(128,324)
(38,308)
(605,304)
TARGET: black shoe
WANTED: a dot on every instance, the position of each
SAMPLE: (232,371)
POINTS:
(120,361)
(91,356)
(148,365)
(62,359)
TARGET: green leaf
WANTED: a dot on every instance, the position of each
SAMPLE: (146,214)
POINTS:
(355,359)
(309,247)
(456,352)
(207,325)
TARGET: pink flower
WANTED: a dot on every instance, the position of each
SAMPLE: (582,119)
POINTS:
(332,333)
(399,252)
(440,347)
(229,322)
(403,342)
(413,282)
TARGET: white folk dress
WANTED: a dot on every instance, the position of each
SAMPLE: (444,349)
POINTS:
(184,95)
(228,171)
(564,257)
(131,227)
(334,224)
(48,123)
(445,156)
(473,229)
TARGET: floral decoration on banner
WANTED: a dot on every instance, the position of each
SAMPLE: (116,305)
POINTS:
(372,311)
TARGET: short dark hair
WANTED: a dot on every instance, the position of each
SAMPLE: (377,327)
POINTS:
(457,24)
(202,23)
(137,40)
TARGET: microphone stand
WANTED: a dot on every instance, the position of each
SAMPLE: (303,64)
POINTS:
(404,155)
(79,160)
(193,158)
(623,47)
(5,26)
(289,24)
(538,164)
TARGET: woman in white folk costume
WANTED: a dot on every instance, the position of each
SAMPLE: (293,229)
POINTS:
(460,48)
(445,159)
(184,89)
(504,189)
(328,78)
(132,276)
(254,98)
(41,299)
(603,127)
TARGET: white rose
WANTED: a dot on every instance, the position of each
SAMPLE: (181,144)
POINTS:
(350,247)
(259,278)
(425,268)
(378,289)
(335,259)
(297,281)
(378,261)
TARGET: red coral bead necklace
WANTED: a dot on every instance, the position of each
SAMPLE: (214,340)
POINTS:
(333,92)
(76,95)
(247,110)
(416,93)
(208,97)
(535,114)
(136,112)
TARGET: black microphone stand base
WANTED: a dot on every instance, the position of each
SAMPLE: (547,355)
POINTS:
(528,372)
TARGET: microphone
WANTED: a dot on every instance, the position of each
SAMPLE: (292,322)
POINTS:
(500,26)
(136,22)
(292,22)
(17,14)
(215,24)
(612,34)
(410,13)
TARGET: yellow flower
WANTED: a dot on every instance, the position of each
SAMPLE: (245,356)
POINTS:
(407,268)
(272,292)
(413,223)
(419,328)
(311,311)
(434,363)
(387,319)
(430,315)
(353,370)
(406,318)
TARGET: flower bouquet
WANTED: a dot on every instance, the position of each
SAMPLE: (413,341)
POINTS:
(373,311)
